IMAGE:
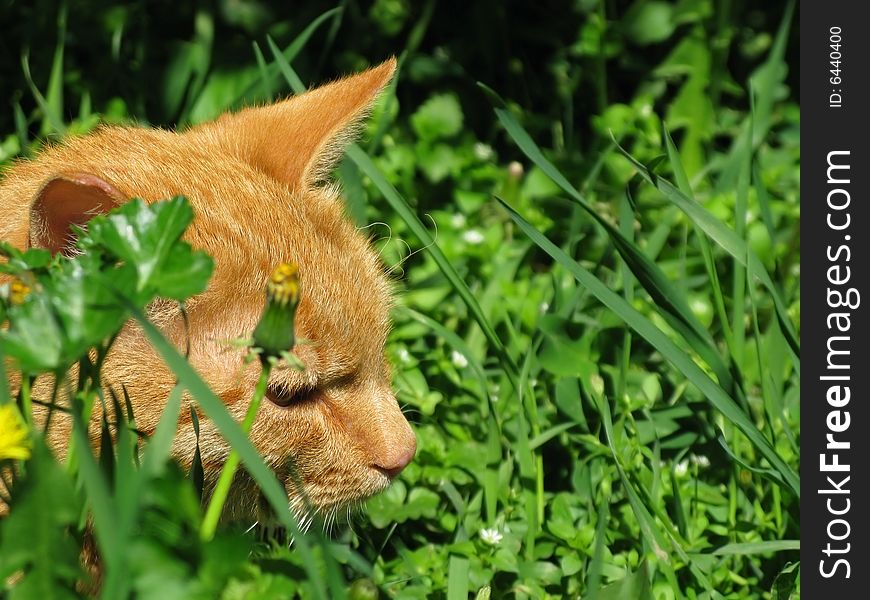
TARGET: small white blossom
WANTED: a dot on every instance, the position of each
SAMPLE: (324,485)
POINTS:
(457,221)
(544,307)
(700,460)
(682,468)
(483,151)
(491,536)
(494,392)
(404,355)
(472,236)
(515,170)
(458,359)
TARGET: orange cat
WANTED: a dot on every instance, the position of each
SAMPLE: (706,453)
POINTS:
(256,181)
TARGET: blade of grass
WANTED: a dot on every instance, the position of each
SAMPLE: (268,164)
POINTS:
(669,300)
(745,548)
(684,186)
(457,578)
(770,394)
(293,49)
(264,72)
(649,528)
(200,55)
(103,509)
(677,357)
(535,469)
(49,115)
(727,240)
(20,126)
(54,90)
(593,575)
(766,81)
(284,66)
(738,284)
(233,433)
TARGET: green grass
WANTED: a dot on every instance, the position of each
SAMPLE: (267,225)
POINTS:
(597,327)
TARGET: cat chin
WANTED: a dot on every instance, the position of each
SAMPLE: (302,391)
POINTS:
(354,488)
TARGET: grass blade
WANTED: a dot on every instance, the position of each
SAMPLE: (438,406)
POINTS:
(457,578)
(744,548)
(54,91)
(398,204)
(667,298)
(728,240)
(677,357)
(232,432)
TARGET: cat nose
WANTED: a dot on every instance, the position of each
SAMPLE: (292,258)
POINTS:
(398,458)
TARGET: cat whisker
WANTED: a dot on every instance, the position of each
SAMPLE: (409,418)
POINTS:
(413,252)
(410,410)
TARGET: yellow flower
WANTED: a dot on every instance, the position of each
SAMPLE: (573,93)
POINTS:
(274,333)
(283,286)
(18,292)
(14,441)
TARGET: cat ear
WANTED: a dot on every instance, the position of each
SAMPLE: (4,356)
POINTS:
(66,200)
(299,140)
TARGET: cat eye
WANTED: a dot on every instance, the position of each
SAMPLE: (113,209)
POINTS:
(283,395)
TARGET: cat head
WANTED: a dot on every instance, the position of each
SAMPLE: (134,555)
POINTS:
(257,181)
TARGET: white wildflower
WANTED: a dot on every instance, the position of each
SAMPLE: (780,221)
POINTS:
(491,536)
(483,151)
(472,236)
(404,355)
(682,468)
(457,221)
(458,359)
(700,460)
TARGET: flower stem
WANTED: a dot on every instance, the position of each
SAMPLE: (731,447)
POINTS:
(222,489)
(26,402)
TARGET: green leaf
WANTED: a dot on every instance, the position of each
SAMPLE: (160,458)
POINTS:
(19,261)
(745,548)
(36,537)
(438,118)
(787,585)
(457,578)
(649,22)
(635,586)
(148,237)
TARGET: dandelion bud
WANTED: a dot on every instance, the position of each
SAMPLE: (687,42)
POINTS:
(274,333)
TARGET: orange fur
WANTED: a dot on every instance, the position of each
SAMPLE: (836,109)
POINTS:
(254,179)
